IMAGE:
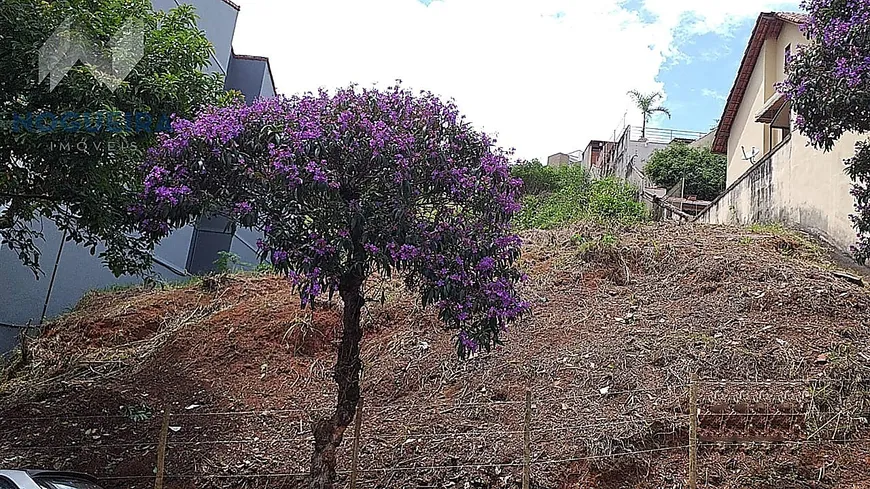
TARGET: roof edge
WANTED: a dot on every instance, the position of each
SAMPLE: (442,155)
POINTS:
(250,57)
(265,59)
(744,72)
(231,4)
(796,18)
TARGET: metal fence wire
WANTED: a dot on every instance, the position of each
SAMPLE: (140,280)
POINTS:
(527,414)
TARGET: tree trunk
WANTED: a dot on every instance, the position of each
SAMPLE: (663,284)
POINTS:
(328,432)
(643,131)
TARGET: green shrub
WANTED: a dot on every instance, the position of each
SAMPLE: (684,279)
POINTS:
(574,197)
(613,200)
(703,170)
(537,178)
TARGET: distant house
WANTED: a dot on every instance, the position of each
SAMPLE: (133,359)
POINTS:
(706,142)
(627,156)
(591,156)
(773,175)
(189,250)
(558,159)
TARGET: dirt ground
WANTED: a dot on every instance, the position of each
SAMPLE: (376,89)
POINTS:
(620,322)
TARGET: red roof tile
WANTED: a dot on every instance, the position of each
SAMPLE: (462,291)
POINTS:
(793,17)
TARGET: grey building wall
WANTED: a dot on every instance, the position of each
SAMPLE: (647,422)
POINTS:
(249,75)
(630,151)
(24,294)
(268,86)
(217,19)
(558,159)
(213,235)
(639,152)
(244,245)
(192,248)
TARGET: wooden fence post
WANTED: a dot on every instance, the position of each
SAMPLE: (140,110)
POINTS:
(161,450)
(526,441)
(693,432)
(356,435)
(23,340)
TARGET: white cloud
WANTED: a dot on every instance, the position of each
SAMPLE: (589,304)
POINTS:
(546,75)
(713,94)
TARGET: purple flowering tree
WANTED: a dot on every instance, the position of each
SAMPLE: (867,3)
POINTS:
(351,187)
(828,82)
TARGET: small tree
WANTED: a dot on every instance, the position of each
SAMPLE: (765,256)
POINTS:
(828,83)
(703,170)
(70,154)
(345,186)
(646,103)
(536,177)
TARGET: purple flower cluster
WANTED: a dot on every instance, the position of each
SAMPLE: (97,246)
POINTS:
(828,77)
(405,252)
(355,179)
(162,189)
(486,264)
(468,343)
(242,208)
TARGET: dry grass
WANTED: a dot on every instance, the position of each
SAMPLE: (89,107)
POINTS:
(619,321)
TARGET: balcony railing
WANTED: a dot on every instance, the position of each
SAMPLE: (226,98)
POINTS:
(657,135)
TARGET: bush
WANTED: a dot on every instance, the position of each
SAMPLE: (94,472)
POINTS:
(577,197)
(703,170)
(537,178)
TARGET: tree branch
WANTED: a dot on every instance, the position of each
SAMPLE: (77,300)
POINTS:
(29,196)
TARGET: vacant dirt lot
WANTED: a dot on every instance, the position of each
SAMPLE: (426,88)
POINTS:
(620,322)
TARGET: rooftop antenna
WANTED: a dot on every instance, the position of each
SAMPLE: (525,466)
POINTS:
(751,157)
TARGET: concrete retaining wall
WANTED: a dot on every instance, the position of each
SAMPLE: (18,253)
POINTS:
(794,184)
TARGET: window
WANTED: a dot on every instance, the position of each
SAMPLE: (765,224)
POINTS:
(7,484)
(787,55)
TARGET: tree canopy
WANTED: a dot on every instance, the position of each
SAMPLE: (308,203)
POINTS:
(646,102)
(347,186)
(703,170)
(537,178)
(70,154)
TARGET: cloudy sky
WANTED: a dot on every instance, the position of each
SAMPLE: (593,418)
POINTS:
(545,75)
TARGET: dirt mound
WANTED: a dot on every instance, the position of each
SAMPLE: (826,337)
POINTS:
(619,324)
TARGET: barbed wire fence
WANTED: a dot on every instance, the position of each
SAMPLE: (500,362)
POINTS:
(697,422)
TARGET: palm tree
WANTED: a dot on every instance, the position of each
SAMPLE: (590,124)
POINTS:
(645,103)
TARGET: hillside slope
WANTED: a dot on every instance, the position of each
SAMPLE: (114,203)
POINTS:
(618,326)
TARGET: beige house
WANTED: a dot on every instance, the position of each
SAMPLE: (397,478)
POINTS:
(558,159)
(773,174)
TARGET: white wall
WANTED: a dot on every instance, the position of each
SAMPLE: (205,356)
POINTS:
(797,185)
(747,134)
